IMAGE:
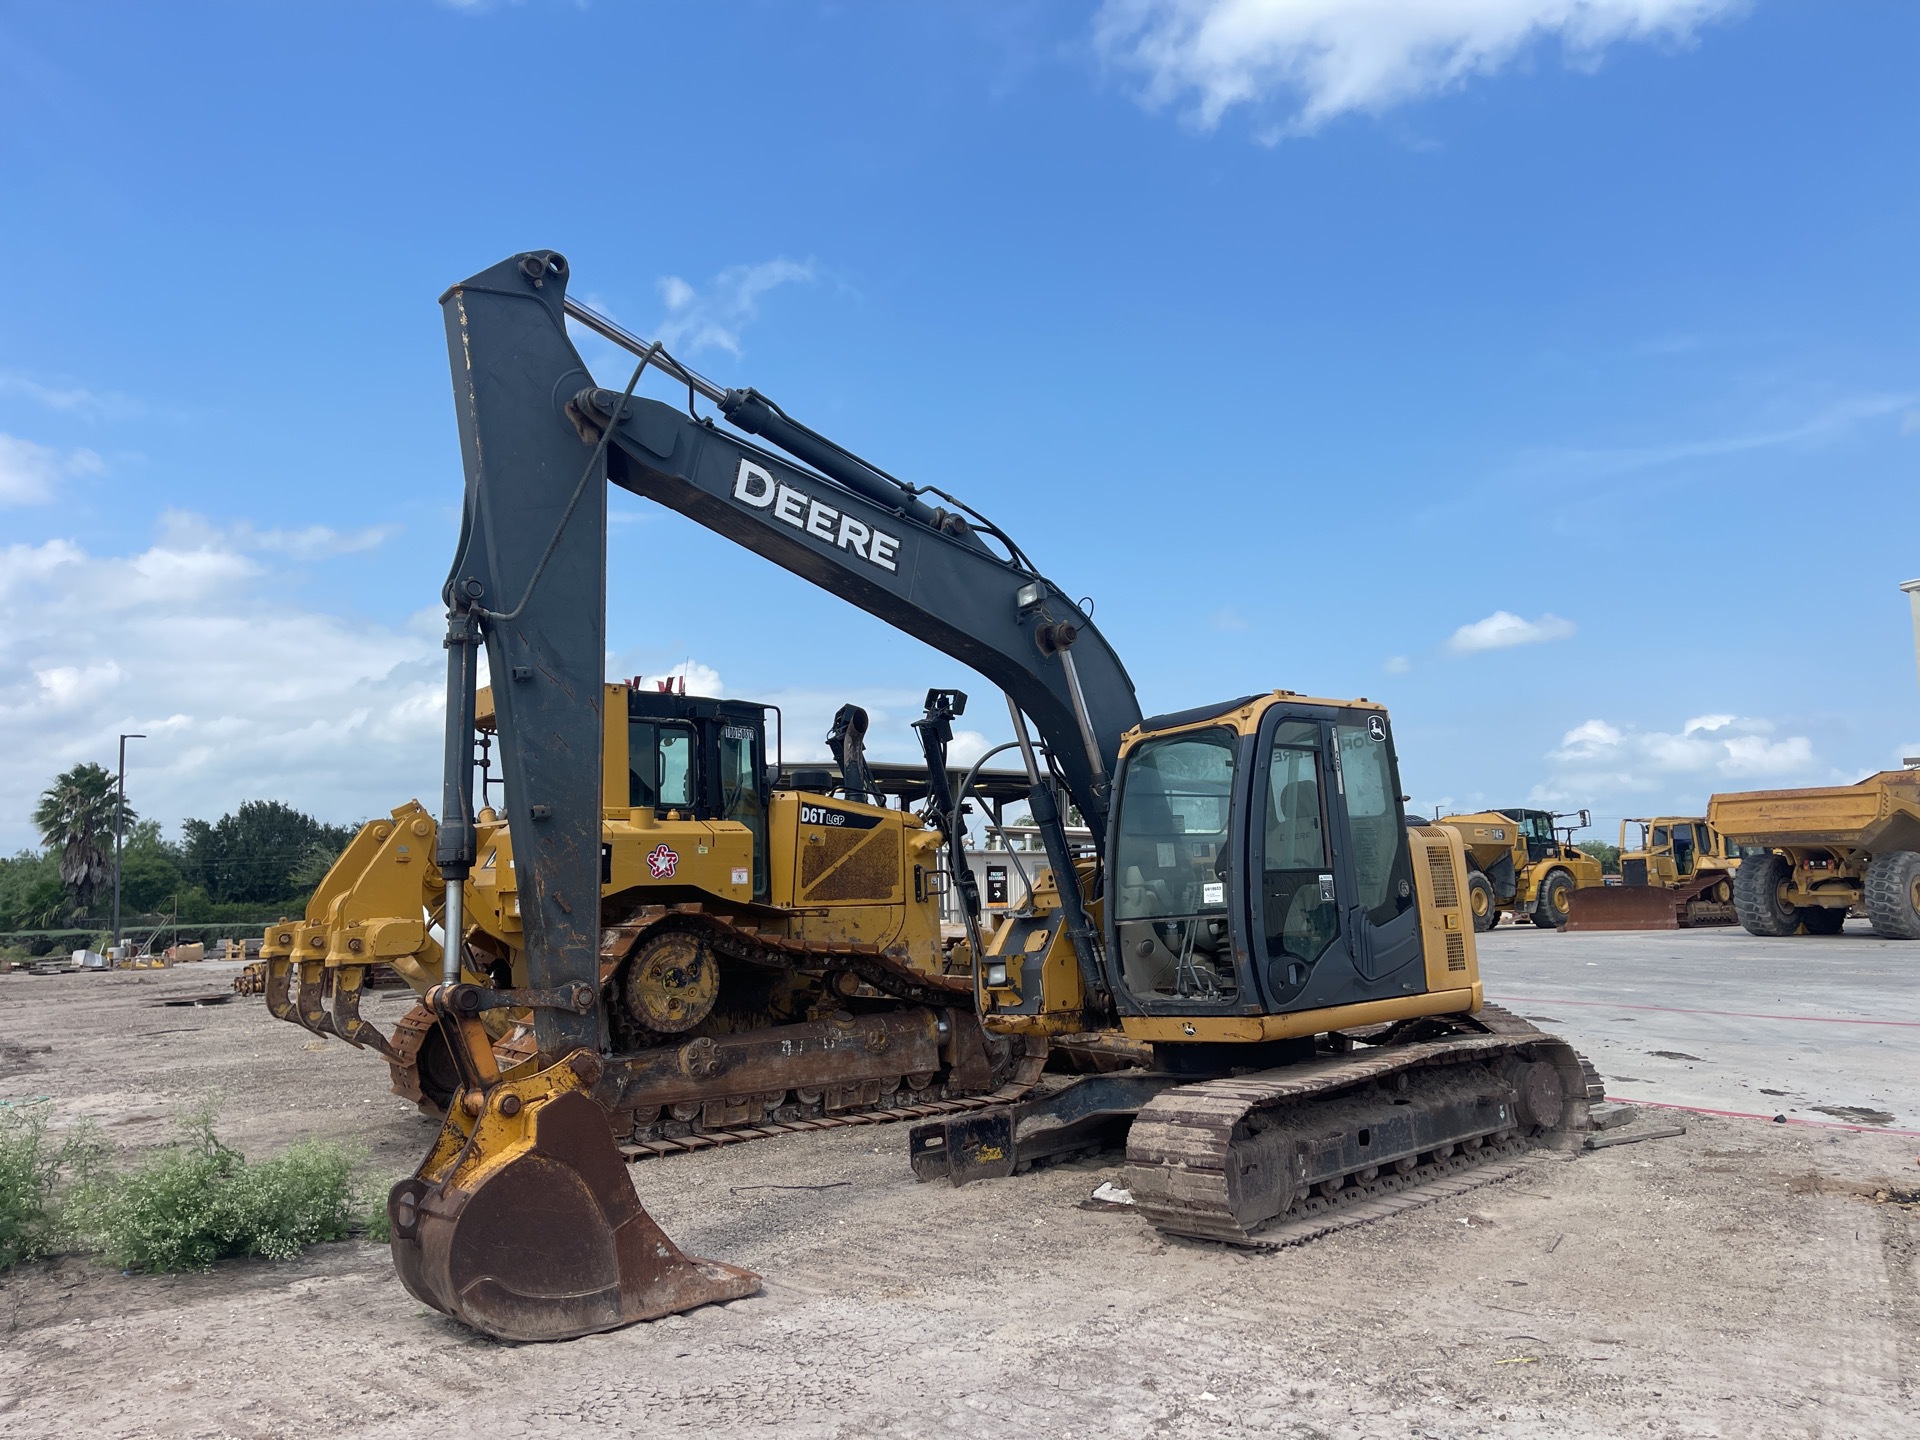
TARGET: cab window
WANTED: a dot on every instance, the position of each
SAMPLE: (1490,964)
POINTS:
(1170,904)
(660,771)
(1301,914)
(740,799)
(1382,862)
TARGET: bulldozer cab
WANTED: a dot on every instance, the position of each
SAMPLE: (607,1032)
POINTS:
(699,759)
(1672,848)
(1261,865)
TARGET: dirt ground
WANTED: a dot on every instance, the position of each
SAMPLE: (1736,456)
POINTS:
(1738,1281)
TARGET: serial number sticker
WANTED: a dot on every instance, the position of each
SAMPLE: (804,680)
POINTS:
(1213,892)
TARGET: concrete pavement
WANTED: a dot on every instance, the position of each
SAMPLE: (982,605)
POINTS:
(1820,1029)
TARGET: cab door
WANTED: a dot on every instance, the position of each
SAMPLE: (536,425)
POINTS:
(1334,916)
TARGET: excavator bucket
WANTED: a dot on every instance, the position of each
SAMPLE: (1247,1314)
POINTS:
(1705,899)
(522,1222)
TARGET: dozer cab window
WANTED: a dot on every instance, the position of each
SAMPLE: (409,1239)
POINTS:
(741,776)
(1683,849)
(1301,914)
(1661,838)
(660,767)
(1382,863)
(1170,906)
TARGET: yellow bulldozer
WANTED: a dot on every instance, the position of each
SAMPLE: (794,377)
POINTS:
(1519,864)
(1811,856)
(1677,876)
(777,950)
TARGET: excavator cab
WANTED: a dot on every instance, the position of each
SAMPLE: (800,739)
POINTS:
(1261,868)
(1263,865)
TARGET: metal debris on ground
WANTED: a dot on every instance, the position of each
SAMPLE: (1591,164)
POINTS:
(1664,1132)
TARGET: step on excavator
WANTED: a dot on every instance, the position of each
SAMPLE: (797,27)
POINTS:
(1253,915)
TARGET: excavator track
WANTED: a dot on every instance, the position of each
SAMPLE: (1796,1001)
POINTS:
(1279,1156)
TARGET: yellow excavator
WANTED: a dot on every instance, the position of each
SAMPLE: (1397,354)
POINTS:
(1254,913)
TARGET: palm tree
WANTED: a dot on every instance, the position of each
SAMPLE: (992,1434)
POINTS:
(76,816)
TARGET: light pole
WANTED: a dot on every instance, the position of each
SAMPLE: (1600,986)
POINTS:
(119,837)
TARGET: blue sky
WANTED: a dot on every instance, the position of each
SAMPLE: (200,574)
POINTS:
(1546,370)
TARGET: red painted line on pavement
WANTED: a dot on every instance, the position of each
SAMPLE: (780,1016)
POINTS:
(1683,1010)
(1750,1115)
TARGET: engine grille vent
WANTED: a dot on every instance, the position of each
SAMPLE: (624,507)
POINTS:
(1456,951)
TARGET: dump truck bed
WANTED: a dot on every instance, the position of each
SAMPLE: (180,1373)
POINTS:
(1879,812)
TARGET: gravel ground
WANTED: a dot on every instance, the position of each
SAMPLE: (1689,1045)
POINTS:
(1740,1280)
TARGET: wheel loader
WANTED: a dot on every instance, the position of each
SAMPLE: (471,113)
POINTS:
(738,911)
(1811,856)
(1677,876)
(1254,914)
(1519,864)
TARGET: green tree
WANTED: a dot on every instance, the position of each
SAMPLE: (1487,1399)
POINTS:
(75,817)
(259,854)
(31,895)
(151,870)
(1607,855)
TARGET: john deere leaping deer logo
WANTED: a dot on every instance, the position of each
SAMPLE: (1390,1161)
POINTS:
(662,862)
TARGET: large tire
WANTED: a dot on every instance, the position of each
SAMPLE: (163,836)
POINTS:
(1481,904)
(1756,896)
(1893,895)
(1553,901)
(1823,919)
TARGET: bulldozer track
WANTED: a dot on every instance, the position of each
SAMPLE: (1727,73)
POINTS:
(1013,1090)
(887,973)
(1190,1146)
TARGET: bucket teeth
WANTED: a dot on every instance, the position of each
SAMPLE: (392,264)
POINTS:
(596,1261)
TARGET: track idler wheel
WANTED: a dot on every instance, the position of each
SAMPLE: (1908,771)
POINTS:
(522,1223)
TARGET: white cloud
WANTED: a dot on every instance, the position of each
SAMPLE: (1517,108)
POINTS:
(1830,423)
(1396,665)
(75,399)
(1228,618)
(1600,755)
(1324,58)
(1502,630)
(30,473)
(712,319)
(244,692)
(184,533)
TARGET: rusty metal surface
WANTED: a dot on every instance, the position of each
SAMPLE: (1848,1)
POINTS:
(1225,1159)
(1689,906)
(551,1244)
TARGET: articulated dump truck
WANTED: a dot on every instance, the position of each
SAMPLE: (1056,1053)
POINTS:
(1518,864)
(1819,853)
(775,953)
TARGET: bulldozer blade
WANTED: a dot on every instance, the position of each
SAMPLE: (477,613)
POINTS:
(1697,903)
(1624,907)
(525,1226)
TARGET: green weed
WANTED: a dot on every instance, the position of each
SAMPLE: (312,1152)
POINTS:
(199,1201)
(35,1167)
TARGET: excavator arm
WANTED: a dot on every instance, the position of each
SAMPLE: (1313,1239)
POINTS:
(540,440)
